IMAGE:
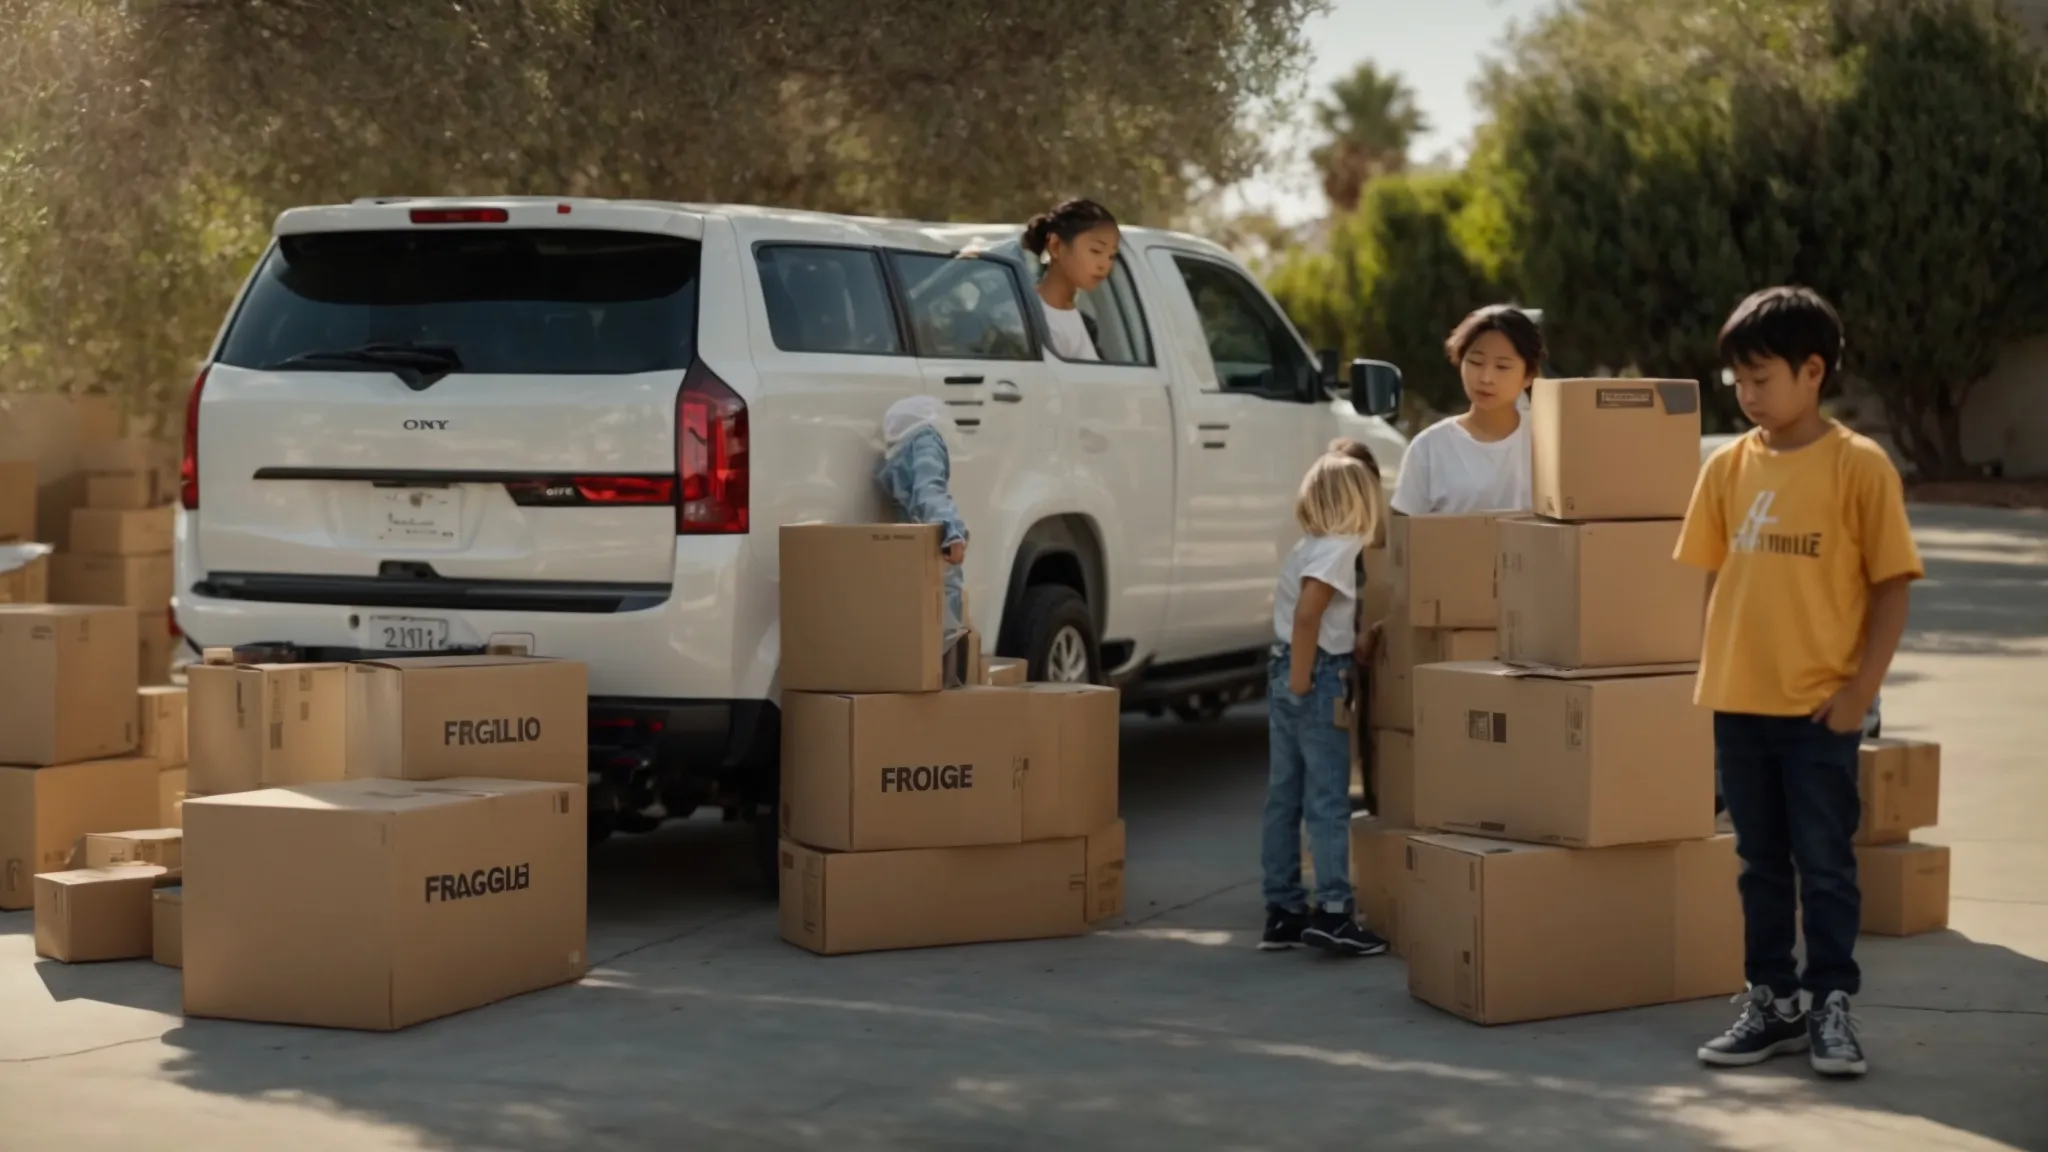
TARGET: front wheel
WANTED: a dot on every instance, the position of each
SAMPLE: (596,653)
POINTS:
(1055,633)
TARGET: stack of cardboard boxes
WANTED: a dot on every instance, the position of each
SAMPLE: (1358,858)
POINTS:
(913,814)
(24,563)
(118,547)
(1905,884)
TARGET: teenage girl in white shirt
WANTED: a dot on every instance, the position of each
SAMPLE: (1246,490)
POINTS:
(1077,244)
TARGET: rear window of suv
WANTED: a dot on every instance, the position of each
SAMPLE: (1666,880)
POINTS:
(513,301)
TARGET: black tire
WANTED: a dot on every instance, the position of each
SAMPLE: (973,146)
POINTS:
(1047,627)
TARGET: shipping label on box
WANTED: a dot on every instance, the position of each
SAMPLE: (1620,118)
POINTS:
(1614,449)
(1443,570)
(1070,778)
(139,582)
(24,573)
(1905,888)
(265,725)
(113,532)
(1581,763)
(1899,782)
(163,847)
(501,717)
(161,717)
(44,812)
(17,501)
(67,683)
(377,904)
(863,608)
(167,930)
(95,914)
(1605,595)
(913,770)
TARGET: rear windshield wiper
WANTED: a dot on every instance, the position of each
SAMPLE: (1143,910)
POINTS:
(421,366)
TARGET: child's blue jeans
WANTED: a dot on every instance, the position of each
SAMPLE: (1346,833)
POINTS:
(1309,777)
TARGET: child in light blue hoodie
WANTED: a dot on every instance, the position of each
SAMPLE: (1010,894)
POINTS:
(917,469)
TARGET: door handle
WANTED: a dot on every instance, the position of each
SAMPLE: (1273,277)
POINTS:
(964,379)
(1007,393)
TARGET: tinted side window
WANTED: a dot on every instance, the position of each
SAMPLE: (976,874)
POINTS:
(512,301)
(1251,345)
(963,309)
(828,300)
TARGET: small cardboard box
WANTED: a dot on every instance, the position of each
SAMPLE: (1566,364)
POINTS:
(130,454)
(161,717)
(1379,874)
(130,491)
(153,647)
(377,904)
(122,532)
(1614,449)
(1605,595)
(1582,763)
(840,902)
(1005,672)
(1070,776)
(167,927)
(1899,782)
(254,726)
(499,717)
(95,914)
(17,501)
(44,812)
(1402,649)
(1443,570)
(863,608)
(1905,888)
(1500,932)
(24,573)
(140,582)
(163,847)
(910,770)
(67,683)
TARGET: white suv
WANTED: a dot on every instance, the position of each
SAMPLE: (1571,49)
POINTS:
(573,427)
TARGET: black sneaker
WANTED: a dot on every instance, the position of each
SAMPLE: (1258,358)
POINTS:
(1283,929)
(1831,1028)
(1760,1033)
(1340,935)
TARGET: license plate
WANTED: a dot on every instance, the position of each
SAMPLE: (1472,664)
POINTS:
(405,634)
(420,517)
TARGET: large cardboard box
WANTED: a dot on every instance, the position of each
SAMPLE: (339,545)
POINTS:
(17,501)
(909,770)
(1614,449)
(67,683)
(1905,888)
(1443,570)
(161,720)
(141,582)
(163,847)
(167,927)
(24,573)
(130,491)
(1401,789)
(1603,595)
(1070,777)
(1499,932)
(113,532)
(170,789)
(153,647)
(1379,873)
(44,811)
(95,913)
(265,725)
(1899,782)
(501,717)
(128,454)
(863,608)
(1376,601)
(1583,763)
(840,902)
(381,903)
(1403,649)
(51,429)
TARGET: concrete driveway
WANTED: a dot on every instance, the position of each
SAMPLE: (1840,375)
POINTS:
(699,1029)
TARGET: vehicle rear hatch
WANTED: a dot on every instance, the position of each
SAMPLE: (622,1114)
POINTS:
(483,395)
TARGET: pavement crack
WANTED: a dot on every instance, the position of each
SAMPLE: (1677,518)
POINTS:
(1959,1011)
(1191,903)
(685,934)
(78,1052)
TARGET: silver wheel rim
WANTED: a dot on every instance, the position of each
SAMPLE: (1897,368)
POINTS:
(1066,662)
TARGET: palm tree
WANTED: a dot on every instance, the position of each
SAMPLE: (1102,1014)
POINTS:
(1370,120)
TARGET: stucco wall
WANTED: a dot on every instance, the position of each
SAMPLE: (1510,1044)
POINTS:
(2006,419)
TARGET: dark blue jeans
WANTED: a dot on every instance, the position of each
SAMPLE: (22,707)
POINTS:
(1791,789)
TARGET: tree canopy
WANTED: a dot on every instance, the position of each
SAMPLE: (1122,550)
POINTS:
(1369,121)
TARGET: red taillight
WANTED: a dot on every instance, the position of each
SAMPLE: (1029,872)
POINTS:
(171,614)
(711,457)
(460,216)
(188,460)
(626,489)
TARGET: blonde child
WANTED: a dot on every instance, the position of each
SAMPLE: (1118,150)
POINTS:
(1315,622)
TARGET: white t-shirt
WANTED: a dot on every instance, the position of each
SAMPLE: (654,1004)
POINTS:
(1070,340)
(1447,472)
(1334,561)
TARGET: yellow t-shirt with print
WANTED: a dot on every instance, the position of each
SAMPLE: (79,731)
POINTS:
(1796,539)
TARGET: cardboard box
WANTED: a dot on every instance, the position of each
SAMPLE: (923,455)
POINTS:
(1403,649)
(1604,595)
(1443,570)
(911,770)
(141,582)
(130,491)
(44,812)
(1900,785)
(863,608)
(840,902)
(1401,791)
(162,847)
(167,927)
(24,573)
(1379,873)
(1376,601)
(1905,888)
(95,913)
(1500,932)
(265,725)
(129,454)
(17,501)
(153,647)
(1583,763)
(381,903)
(1070,775)
(498,717)
(67,683)
(1006,672)
(170,789)
(1614,449)
(121,532)
(161,710)
(49,428)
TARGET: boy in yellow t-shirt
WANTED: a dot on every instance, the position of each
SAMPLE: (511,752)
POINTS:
(1803,525)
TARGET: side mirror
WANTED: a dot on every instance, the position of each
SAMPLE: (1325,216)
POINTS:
(1375,387)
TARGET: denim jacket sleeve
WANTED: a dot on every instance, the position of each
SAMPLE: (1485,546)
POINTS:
(916,475)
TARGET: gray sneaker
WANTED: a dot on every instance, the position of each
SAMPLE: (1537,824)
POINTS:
(1760,1033)
(1831,1028)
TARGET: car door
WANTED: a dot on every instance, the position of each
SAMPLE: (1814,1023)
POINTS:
(980,355)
